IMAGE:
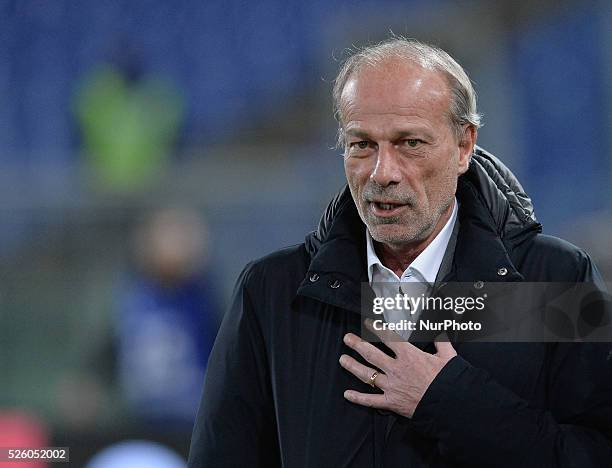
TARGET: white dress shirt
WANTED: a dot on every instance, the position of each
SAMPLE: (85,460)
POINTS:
(423,269)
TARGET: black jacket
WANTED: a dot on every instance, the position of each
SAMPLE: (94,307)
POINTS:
(273,394)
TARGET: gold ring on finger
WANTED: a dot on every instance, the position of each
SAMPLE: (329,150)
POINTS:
(372,381)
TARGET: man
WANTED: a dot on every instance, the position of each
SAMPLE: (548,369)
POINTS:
(291,383)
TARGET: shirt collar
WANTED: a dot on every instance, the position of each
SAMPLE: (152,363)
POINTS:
(427,262)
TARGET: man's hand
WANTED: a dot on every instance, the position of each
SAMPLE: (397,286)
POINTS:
(403,379)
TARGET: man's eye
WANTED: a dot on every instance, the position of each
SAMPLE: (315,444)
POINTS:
(412,142)
(360,144)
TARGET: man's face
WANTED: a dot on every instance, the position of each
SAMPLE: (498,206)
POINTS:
(402,158)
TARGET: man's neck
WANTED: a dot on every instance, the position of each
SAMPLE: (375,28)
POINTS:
(397,257)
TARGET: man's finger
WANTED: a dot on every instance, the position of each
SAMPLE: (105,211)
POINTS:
(368,351)
(363,373)
(372,400)
(391,339)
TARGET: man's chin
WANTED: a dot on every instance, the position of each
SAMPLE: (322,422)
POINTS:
(391,234)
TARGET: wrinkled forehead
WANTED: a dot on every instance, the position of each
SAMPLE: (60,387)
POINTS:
(394,86)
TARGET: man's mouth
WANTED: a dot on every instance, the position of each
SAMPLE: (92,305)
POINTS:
(386,208)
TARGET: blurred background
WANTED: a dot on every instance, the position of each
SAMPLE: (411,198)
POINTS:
(149,149)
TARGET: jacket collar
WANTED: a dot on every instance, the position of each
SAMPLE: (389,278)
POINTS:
(338,266)
(480,253)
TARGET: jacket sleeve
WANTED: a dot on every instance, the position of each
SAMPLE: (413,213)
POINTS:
(478,422)
(235,424)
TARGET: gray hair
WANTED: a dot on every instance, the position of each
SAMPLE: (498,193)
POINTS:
(462,109)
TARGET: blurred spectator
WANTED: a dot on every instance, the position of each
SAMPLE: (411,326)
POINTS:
(129,123)
(167,320)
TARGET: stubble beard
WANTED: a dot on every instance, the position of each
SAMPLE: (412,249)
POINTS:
(414,226)
(409,229)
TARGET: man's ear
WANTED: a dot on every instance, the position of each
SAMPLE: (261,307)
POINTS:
(466,147)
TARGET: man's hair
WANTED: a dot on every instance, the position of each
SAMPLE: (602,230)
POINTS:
(462,109)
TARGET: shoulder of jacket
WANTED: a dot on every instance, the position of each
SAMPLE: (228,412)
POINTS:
(277,265)
(559,248)
(564,260)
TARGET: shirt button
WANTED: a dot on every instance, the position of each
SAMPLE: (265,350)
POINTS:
(335,284)
(314,277)
(502,271)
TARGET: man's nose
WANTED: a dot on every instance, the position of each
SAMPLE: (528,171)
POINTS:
(388,166)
